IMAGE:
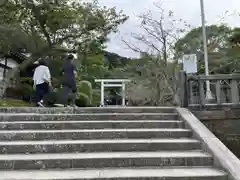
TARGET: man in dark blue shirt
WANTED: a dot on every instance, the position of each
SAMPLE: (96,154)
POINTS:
(69,78)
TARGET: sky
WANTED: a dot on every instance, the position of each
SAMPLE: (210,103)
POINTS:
(188,10)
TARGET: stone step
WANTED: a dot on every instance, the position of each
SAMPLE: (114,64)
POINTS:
(87,116)
(93,134)
(107,145)
(189,173)
(117,124)
(103,160)
(88,110)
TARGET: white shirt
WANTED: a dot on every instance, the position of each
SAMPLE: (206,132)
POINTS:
(41,75)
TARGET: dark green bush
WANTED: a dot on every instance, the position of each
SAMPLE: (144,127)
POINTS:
(51,98)
(85,87)
(55,97)
(96,97)
(27,92)
(82,100)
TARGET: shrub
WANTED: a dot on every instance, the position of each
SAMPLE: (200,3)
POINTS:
(84,95)
(51,98)
(82,100)
(96,97)
(85,87)
(26,80)
(14,93)
(27,92)
(23,91)
(55,97)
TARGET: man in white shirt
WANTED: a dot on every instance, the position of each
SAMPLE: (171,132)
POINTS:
(42,82)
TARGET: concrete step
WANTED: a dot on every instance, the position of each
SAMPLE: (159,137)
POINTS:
(88,110)
(107,145)
(118,174)
(116,124)
(93,134)
(103,160)
(87,116)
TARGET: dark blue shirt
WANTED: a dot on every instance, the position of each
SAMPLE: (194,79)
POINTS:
(69,69)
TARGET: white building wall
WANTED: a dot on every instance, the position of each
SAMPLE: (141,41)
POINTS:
(1,73)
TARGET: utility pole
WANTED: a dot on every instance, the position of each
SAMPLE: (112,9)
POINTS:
(204,34)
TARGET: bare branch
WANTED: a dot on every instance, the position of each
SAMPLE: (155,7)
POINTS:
(131,46)
(157,73)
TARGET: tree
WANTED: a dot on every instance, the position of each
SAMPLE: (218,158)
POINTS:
(113,60)
(156,75)
(235,37)
(44,28)
(234,51)
(159,34)
(222,57)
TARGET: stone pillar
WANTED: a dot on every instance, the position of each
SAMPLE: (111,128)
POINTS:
(183,89)
(102,93)
(123,94)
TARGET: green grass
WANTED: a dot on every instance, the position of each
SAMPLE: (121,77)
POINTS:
(14,103)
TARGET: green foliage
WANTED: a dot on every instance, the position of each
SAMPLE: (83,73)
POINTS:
(82,100)
(235,37)
(52,98)
(27,92)
(223,58)
(96,97)
(91,67)
(14,103)
(53,30)
(55,97)
(23,90)
(113,60)
(85,87)
(27,80)
(71,22)
(153,81)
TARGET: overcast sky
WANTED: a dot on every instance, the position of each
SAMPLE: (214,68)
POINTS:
(188,10)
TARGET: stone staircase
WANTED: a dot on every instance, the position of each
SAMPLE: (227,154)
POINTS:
(101,144)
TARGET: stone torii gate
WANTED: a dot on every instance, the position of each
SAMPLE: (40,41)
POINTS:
(112,83)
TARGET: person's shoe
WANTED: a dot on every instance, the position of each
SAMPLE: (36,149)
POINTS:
(72,106)
(40,104)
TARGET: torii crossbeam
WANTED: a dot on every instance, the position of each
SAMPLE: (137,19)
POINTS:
(112,83)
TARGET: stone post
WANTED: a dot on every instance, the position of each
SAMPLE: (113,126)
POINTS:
(183,89)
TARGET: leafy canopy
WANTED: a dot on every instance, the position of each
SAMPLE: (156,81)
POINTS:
(223,57)
(65,25)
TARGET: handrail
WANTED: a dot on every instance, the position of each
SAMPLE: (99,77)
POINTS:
(220,96)
(214,77)
(223,157)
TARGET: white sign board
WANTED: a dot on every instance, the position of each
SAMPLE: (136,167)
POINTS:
(190,63)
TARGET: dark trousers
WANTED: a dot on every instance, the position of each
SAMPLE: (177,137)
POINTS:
(70,86)
(41,91)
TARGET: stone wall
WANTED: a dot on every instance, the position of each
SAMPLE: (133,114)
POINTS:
(224,122)
(228,131)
